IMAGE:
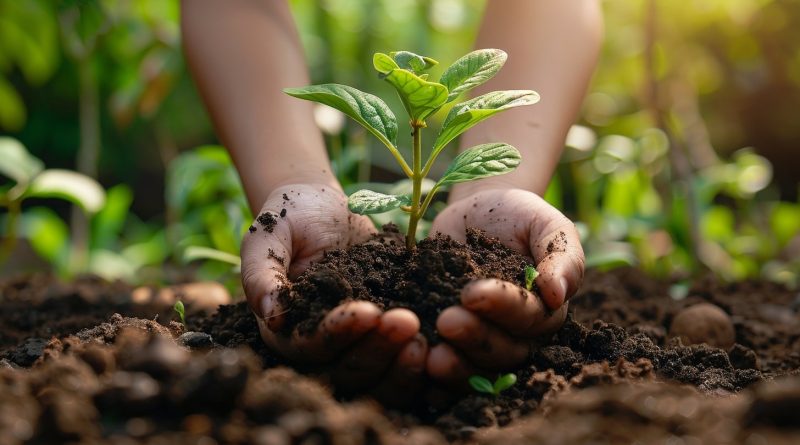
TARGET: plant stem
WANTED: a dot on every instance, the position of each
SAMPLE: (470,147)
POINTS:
(416,181)
(10,241)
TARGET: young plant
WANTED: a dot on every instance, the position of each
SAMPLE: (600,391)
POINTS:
(421,98)
(502,383)
(530,275)
(181,311)
(32,180)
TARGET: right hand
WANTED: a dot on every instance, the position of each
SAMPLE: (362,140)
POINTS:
(365,350)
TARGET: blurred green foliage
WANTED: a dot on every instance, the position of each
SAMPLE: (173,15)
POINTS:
(685,156)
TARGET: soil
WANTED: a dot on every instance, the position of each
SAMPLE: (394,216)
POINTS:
(72,369)
(382,271)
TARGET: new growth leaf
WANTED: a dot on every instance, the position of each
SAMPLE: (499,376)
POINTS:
(421,98)
(482,384)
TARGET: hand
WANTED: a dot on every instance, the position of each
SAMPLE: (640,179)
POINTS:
(492,328)
(366,348)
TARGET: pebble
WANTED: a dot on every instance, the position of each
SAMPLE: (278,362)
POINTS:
(703,323)
(196,340)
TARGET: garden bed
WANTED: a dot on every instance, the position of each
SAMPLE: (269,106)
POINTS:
(72,370)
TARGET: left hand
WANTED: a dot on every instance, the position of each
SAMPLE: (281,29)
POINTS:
(493,327)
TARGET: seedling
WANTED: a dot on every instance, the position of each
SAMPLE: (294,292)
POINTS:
(502,383)
(180,310)
(530,275)
(421,98)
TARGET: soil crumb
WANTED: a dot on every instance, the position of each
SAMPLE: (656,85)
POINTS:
(267,221)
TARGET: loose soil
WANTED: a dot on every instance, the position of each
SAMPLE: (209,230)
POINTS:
(80,363)
(383,271)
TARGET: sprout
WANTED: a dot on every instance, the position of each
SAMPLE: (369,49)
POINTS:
(482,384)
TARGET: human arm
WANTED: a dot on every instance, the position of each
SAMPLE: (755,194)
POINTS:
(241,54)
(552,47)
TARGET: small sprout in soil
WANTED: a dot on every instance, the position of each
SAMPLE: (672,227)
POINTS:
(179,309)
(530,275)
(421,99)
(502,383)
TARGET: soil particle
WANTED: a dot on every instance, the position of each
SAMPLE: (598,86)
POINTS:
(285,198)
(283,213)
(252,229)
(271,254)
(267,221)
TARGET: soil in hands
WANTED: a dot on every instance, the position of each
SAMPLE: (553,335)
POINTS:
(384,272)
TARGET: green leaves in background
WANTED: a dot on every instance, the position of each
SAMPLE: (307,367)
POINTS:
(420,97)
(71,186)
(16,162)
(367,202)
(472,70)
(481,161)
(368,110)
(467,114)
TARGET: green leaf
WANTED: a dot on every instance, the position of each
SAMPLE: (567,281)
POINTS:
(71,186)
(16,162)
(481,161)
(367,202)
(504,382)
(383,63)
(530,275)
(181,311)
(47,234)
(472,70)
(420,97)
(366,109)
(412,62)
(193,253)
(467,114)
(481,384)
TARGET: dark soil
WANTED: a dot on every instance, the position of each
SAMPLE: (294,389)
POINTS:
(71,371)
(384,272)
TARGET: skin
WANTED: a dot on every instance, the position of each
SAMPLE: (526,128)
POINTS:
(278,150)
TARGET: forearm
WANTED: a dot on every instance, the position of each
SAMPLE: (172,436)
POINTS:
(241,54)
(552,48)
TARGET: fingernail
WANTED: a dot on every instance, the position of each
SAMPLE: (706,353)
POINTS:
(564,287)
(267,306)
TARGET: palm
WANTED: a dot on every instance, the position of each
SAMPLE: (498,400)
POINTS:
(315,219)
(491,312)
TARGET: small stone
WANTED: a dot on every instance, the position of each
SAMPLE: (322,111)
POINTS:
(195,340)
(704,323)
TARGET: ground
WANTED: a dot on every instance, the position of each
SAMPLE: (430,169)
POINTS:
(81,362)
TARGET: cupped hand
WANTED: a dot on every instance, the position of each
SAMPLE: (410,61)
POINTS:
(358,346)
(493,327)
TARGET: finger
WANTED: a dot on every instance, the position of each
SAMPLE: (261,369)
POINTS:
(405,379)
(266,252)
(512,308)
(480,342)
(342,326)
(369,358)
(559,261)
(446,365)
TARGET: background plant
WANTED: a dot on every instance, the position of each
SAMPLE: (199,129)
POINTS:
(703,78)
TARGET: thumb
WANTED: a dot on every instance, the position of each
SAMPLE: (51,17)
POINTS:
(266,253)
(559,261)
